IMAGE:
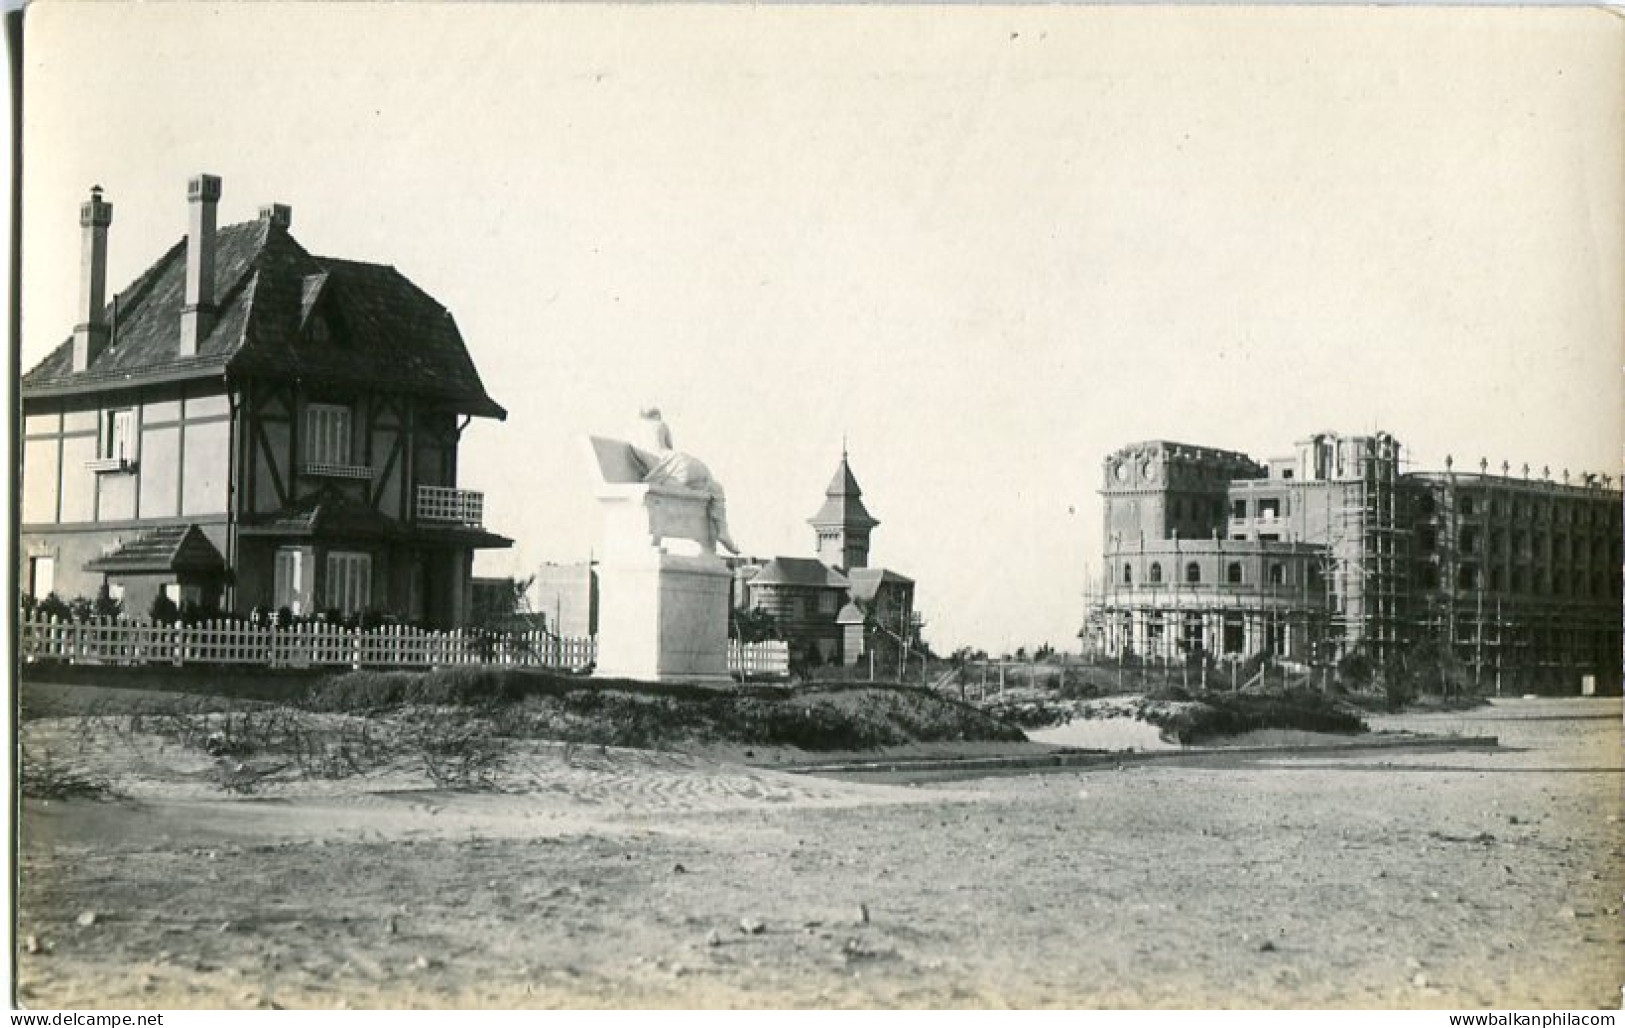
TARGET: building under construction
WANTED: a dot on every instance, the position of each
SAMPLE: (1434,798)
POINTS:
(1210,555)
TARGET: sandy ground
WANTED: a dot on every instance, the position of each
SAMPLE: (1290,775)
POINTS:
(1464,878)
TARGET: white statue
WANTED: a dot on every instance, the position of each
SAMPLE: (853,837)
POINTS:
(674,467)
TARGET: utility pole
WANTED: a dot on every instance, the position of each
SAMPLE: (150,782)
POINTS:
(1478,643)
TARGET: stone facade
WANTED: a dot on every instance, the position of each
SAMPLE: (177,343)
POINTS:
(1334,549)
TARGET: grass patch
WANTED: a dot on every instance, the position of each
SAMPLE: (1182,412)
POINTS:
(1190,719)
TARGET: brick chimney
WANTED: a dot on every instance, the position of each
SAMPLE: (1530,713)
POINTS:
(91,333)
(197,316)
(278,214)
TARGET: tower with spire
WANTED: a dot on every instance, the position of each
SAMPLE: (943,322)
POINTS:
(843,524)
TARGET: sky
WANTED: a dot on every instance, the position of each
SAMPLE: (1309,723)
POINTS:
(985,246)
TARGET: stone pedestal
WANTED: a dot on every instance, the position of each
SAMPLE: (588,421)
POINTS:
(663,617)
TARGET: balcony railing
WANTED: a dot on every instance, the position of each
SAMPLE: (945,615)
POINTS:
(451,506)
(325,469)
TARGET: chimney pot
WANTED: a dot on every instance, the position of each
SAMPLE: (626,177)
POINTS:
(203,189)
(90,333)
(197,315)
(279,214)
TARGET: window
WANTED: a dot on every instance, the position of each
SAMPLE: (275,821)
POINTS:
(349,582)
(826,602)
(1269,509)
(327,434)
(1232,573)
(1469,540)
(183,596)
(1193,572)
(1277,573)
(117,440)
(1156,573)
(1467,506)
(1128,574)
(289,588)
(41,577)
(1238,509)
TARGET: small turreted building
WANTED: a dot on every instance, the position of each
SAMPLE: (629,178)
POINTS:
(833,608)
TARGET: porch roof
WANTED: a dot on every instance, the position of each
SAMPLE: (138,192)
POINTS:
(172,548)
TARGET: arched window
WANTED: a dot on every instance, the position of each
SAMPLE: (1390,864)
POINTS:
(1277,573)
(1232,573)
(1193,572)
(1156,573)
(1128,574)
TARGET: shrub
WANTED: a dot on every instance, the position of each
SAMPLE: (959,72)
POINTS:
(53,607)
(105,605)
(163,610)
(1234,713)
(359,691)
(43,777)
(458,752)
(1356,670)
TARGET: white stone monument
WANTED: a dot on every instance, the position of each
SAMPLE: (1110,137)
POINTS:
(663,591)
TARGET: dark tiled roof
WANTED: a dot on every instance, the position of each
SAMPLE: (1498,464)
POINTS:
(843,501)
(178,548)
(458,537)
(332,515)
(866,582)
(384,332)
(803,571)
(326,515)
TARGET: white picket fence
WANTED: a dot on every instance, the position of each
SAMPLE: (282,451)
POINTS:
(135,643)
(129,642)
(759,660)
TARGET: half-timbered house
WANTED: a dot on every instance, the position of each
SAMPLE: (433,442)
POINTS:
(249,425)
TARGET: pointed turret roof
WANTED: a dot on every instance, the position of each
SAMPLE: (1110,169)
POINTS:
(843,502)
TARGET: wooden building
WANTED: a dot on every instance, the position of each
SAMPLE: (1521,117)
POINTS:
(248,425)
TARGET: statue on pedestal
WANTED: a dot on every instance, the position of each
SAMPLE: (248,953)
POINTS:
(664,593)
(670,466)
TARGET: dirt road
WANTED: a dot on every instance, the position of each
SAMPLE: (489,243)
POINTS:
(1470,878)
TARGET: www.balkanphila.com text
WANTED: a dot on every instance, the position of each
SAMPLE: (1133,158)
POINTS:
(1533,1020)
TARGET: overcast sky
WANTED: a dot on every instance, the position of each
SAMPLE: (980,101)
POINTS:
(987,245)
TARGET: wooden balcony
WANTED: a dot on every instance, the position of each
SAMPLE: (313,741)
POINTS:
(444,506)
